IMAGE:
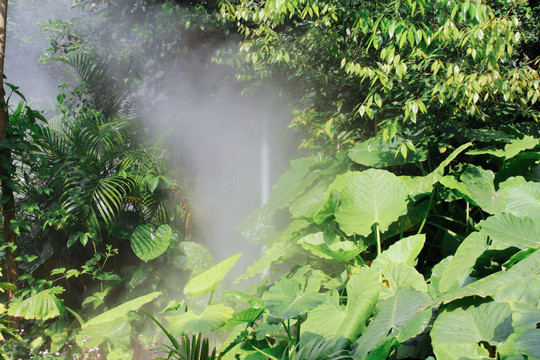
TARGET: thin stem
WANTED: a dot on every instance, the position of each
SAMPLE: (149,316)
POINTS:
(287,329)
(442,228)
(211,295)
(454,221)
(378,233)
(297,330)
(427,212)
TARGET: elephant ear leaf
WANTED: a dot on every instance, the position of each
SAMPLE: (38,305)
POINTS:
(457,333)
(370,197)
(399,316)
(331,247)
(332,321)
(404,251)
(148,244)
(209,279)
(506,230)
(112,325)
(287,299)
(43,305)
(525,320)
(212,318)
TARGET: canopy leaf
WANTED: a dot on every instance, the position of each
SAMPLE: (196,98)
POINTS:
(377,153)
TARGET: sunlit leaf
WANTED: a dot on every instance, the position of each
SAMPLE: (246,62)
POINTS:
(510,230)
(212,318)
(525,320)
(41,306)
(456,333)
(371,197)
(209,279)
(331,320)
(287,299)
(461,264)
(331,247)
(392,316)
(404,251)
(477,185)
(520,283)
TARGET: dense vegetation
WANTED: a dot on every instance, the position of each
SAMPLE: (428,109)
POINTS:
(409,229)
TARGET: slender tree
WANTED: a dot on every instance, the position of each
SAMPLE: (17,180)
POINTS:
(8,200)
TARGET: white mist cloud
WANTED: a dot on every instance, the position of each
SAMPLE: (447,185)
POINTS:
(24,47)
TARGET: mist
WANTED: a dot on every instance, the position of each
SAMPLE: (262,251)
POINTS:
(214,135)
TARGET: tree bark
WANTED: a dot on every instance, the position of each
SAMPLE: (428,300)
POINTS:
(8,199)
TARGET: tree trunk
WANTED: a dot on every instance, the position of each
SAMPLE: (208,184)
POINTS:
(8,200)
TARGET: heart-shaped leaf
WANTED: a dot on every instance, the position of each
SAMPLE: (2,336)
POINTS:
(148,244)
(370,197)
(286,299)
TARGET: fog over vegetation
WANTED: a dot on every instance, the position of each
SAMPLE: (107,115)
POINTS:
(299,179)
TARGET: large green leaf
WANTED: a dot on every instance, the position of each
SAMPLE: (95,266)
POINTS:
(112,325)
(379,154)
(403,276)
(212,318)
(404,251)
(436,276)
(280,249)
(331,320)
(148,244)
(116,332)
(477,186)
(506,230)
(522,199)
(520,283)
(371,197)
(392,316)
(294,182)
(193,256)
(419,185)
(511,149)
(287,299)
(43,305)
(209,279)
(309,203)
(456,333)
(330,247)
(120,310)
(525,320)
(460,266)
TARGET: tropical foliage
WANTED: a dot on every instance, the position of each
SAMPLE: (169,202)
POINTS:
(409,229)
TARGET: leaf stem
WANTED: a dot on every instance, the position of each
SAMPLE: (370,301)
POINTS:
(378,233)
(427,212)
(211,295)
